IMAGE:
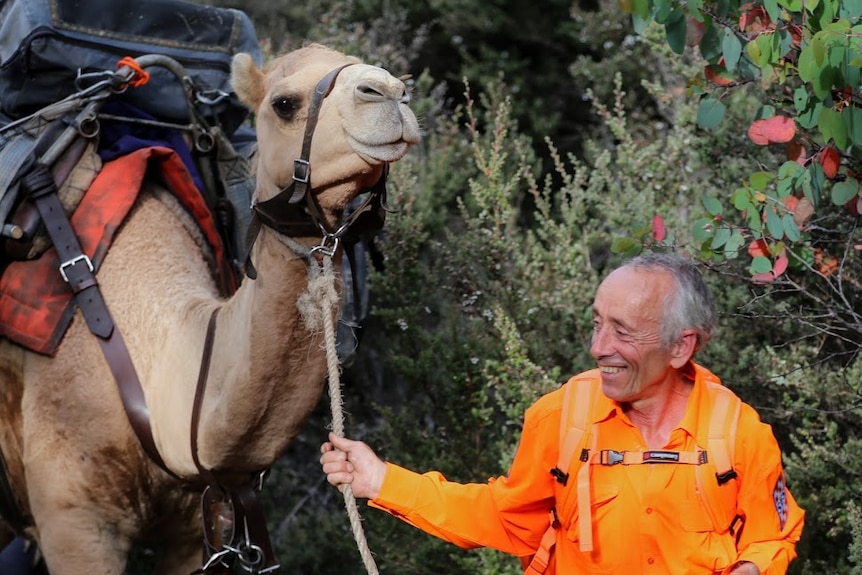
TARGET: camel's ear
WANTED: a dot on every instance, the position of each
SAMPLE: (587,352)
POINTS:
(247,80)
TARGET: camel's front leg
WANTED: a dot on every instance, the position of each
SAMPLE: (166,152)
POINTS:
(74,541)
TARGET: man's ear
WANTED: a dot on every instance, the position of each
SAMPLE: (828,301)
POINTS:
(684,348)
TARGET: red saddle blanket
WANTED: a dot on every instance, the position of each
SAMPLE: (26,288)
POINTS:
(36,305)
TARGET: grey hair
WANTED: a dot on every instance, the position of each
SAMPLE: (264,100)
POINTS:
(690,307)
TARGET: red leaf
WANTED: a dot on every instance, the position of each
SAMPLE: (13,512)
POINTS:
(830,160)
(796,152)
(718,75)
(774,130)
(758,248)
(764,278)
(658,230)
(754,21)
(780,265)
(693,31)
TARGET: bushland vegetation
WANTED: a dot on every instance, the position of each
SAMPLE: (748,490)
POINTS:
(559,139)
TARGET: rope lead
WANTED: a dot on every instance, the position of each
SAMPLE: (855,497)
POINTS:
(327,300)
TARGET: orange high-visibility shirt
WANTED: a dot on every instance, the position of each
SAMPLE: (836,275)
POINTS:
(646,518)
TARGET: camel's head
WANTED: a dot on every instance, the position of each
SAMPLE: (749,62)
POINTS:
(364,122)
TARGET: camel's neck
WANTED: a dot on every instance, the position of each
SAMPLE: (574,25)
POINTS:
(268,366)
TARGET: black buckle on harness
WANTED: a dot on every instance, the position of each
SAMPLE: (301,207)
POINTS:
(610,457)
(726,476)
(561,477)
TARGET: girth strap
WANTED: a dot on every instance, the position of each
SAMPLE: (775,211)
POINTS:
(77,270)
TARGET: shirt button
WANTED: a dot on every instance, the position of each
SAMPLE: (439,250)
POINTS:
(649,510)
(650,560)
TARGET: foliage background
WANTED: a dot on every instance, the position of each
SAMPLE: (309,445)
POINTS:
(551,130)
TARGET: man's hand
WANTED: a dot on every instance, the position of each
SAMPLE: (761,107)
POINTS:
(745,568)
(352,462)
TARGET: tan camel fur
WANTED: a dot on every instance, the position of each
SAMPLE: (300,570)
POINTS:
(75,463)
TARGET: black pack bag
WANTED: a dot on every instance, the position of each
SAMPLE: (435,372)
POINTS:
(45,44)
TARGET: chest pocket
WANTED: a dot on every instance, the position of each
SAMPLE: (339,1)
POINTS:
(601,508)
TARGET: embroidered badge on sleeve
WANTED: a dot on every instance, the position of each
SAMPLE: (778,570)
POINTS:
(779,497)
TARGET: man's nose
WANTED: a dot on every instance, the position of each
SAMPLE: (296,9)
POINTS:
(599,342)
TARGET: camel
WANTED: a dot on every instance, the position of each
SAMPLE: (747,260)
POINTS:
(74,463)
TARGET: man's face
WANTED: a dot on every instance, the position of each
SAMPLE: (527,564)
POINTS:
(627,315)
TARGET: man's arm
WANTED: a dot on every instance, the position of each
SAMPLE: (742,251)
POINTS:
(773,520)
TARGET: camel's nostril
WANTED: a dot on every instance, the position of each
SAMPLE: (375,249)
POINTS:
(370,93)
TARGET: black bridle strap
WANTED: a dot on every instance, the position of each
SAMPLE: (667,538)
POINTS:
(301,166)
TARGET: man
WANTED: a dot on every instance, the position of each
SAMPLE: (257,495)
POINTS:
(636,498)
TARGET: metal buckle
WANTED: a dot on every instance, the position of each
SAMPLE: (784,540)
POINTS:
(301,171)
(73,261)
(611,457)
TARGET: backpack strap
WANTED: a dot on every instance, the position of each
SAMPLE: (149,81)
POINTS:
(577,404)
(719,491)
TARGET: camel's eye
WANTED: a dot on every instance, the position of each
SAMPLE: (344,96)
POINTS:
(285,107)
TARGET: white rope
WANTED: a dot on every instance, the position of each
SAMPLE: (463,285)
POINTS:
(321,287)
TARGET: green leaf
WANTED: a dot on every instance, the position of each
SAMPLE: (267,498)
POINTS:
(774,224)
(808,66)
(695,9)
(827,14)
(804,184)
(788,178)
(710,44)
(731,47)
(663,10)
(734,244)
(710,113)
(761,265)
(833,127)
(759,180)
(843,192)
(853,119)
(702,230)
(815,179)
(791,230)
(675,31)
(765,112)
(792,5)
(850,8)
(763,50)
(741,199)
(722,234)
(755,221)
(625,246)
(811,116)
(772,9)
(712,206)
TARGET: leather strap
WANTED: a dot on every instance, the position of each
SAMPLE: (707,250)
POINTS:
(249,522)
(77,269)
(203,375)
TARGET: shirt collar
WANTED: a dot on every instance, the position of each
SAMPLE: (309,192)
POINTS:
(605,407)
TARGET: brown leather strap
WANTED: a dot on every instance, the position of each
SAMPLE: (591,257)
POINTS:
(77,269)
(203,375)
(250,525)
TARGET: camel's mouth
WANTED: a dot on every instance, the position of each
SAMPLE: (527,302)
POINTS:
(374,153)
